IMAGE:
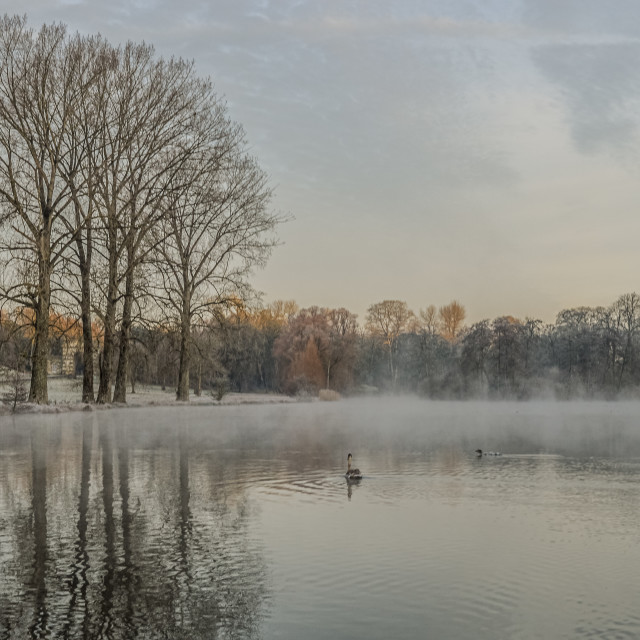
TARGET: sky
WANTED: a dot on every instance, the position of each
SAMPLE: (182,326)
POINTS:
(426,150)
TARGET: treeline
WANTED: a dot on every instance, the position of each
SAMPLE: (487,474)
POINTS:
(587,353)
(127,196)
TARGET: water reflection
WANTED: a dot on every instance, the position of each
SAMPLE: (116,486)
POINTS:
(351,484)
(38,585)
(102,538)
(240,523)
(78,610)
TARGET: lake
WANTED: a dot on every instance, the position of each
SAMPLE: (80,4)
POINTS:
(237,521)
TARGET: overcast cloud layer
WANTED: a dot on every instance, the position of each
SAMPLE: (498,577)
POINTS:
(428,150)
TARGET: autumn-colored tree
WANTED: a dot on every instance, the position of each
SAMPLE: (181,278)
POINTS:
(306,370)
(294,353)
(451,317)
(274,315)
(269,321)
(333,333)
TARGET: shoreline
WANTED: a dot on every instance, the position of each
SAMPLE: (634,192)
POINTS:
(63,398)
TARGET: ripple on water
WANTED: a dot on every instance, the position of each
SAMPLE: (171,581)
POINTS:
(263,537)
(502,543)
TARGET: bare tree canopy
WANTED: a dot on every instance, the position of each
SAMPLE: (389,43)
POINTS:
(42,77)
(117,166)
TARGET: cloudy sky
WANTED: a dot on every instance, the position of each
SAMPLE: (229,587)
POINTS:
(482,150)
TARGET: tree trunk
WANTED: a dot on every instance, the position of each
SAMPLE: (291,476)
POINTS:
(106,365)
(40,357)
(198,385)
(87,335)
(185,353)
(85,310)
(392,369)
(120,391)
(106,361)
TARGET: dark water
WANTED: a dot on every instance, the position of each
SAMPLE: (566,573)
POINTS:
(237,522)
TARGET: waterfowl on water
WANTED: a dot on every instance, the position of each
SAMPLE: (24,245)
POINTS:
(352,474)
(480,453)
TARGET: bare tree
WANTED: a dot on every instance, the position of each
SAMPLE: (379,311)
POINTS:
(626,314)
(217,227)
(429,320)
(156,116)
(79,172)
(388,319)
(40,86)
(342,335)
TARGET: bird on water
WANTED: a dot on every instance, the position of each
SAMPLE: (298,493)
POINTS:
(480,453)
(352,474)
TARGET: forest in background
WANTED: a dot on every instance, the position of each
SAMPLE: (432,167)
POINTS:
(589,352)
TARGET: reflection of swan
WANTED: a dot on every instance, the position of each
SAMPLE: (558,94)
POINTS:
(480,453)
(352,474)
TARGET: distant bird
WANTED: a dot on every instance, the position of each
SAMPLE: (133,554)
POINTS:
(352,474)
(480,453)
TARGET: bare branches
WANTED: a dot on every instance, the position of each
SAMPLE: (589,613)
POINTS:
(119,162)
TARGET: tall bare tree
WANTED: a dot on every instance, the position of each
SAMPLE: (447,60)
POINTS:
(342,335)
(429,320)
(217,227)
(79,172)
(157,115)
(40,87)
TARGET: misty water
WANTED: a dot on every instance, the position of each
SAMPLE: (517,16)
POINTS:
(237,522)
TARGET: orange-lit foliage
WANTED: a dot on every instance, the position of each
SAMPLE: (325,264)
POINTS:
(306,369)
(451,318)
(274,315)
(316,349)
(292,349)
(60,326)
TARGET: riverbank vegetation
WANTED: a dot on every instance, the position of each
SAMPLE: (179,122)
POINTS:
(587,353)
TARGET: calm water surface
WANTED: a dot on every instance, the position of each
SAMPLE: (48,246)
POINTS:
(237,522)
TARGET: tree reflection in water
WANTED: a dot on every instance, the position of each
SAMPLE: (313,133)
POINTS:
(105,535)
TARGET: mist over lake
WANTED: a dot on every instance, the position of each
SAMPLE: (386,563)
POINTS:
(237,522)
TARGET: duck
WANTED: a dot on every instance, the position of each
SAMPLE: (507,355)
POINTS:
(480,453)
(352,474)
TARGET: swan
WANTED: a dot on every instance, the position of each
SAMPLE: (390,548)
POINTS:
(352,474)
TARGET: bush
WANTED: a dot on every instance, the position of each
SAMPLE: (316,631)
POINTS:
(17,392)
(329,395)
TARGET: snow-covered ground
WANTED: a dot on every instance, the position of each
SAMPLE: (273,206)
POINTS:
(65,395)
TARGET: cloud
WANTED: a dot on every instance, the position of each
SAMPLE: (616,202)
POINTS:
(583,17)
(600,84)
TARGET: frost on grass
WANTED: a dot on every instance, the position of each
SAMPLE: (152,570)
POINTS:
(65,395)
